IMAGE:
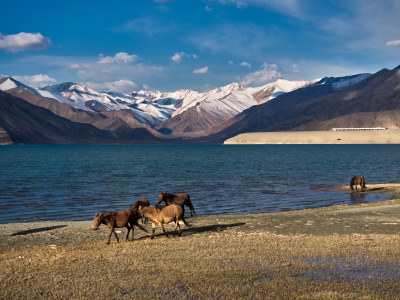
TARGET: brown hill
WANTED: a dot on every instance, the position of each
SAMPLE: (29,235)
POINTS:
(108,120)
(26,123)
(195,121)
(373,102)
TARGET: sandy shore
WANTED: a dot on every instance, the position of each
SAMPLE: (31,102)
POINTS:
(318,137)
(338,252)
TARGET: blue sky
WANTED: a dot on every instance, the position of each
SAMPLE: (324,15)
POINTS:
(195,44)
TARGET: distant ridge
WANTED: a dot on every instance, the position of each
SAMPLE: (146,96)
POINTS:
(72,113)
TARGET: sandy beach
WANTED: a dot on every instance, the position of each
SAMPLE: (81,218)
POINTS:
(337,252)
(318,137)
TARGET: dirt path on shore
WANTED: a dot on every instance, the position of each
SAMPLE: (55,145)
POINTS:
(327,253)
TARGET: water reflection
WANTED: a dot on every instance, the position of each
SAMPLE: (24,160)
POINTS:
(357,198)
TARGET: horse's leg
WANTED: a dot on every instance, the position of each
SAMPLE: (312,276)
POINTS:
(184,221)
(178,226)
(111,232)
(115,233)
(162,227)
(153,225)
(129,229)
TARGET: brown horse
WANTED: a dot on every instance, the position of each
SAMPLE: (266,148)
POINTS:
(164,215)
(357,180)
(125,218)
(180,199)
(141,203)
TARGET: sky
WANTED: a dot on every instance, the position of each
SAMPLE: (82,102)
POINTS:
(166,45)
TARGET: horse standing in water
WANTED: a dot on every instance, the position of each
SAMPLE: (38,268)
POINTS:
(357,180)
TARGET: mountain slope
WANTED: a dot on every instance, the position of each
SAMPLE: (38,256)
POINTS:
(308,107)
(209,110)
(109,120)
(26,123)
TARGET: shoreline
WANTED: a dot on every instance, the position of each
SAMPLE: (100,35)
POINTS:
(340,251)
(37,227)
(317,137)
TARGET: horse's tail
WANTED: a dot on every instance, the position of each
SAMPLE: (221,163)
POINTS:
(190,205)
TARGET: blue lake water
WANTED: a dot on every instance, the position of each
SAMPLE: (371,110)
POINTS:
(73,182)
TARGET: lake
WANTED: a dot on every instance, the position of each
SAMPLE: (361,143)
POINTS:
(73,182)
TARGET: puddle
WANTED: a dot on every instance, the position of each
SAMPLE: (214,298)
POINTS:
(354,268)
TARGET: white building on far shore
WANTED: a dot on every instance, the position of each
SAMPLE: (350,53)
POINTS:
(358,129)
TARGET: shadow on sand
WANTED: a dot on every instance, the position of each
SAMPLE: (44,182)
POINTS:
(36,230)
(193,230)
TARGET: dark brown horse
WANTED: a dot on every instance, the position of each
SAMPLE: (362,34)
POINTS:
(180,199)
(164,215)
(141,203)
(357,180)
(125,218)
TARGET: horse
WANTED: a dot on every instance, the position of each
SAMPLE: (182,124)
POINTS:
(357,180)
(164,215)
(141,203)
(180,199)
(125,218)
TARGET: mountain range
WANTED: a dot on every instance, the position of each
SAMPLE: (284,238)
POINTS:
(72,113)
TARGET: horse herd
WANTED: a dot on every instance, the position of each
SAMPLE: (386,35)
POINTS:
(172,212)
(128,218)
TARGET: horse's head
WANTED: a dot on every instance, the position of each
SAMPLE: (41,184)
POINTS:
(96,221)
(161,197)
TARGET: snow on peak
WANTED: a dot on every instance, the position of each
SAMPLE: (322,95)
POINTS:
(154,107)
(8,83)
(340,83)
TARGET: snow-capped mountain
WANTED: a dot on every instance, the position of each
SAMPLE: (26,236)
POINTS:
(156,107)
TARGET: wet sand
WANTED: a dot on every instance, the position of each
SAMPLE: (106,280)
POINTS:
(344,251)
(318,137)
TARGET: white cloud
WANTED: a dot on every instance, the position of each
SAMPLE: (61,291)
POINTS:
(80,66)
(245,64)
(38,80)
(23,41)
(235,39)
(149,26)
(393,43)
(286,7)
(267,74)
(294,68)
(177,58)
(201,71)
(121,86)
(120,57)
